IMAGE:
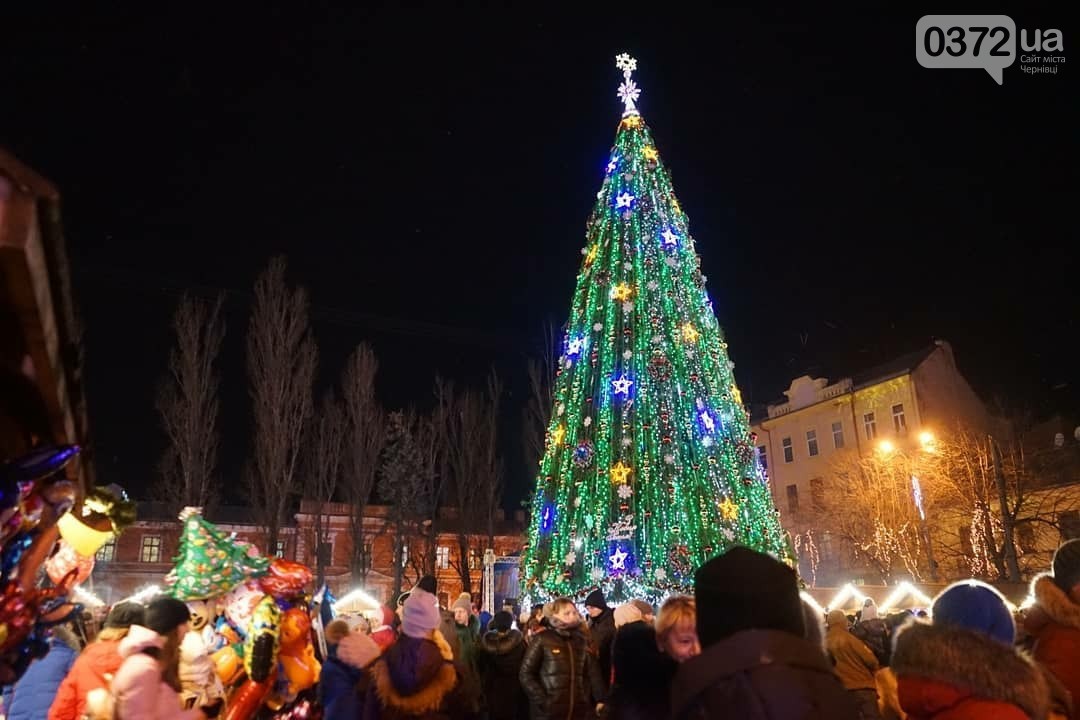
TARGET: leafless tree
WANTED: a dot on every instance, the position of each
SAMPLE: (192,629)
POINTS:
(402,486)
(281,359)
(476,469)
(323,472)
(365,436)
(188,403)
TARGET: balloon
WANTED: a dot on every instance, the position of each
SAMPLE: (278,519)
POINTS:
(66,559)
(81,536)
(34,557)
(261,645)
(227,665)
(285,578)
(297,654)
(247,699)
(240,604)
(37,464)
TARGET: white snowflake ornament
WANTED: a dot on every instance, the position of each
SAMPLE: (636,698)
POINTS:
(625,491)
(627,306)
(669,459)
(653,285)
(729,534)
(598,327)
(577,501)
(628,265)
(597,574)
(587,422)
(628,354)
(560,409)
(656,339)
(672,262)
(627,442)
(660,574)
(570,559)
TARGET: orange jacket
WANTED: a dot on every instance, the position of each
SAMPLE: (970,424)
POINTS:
(1054,622)
(97,660)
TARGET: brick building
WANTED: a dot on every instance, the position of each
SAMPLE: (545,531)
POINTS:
(143,554)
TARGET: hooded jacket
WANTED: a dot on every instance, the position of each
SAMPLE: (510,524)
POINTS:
(415,678)
(760,675)
(500,659)
(1054,622)
(35,690)
(950,673)
(855,663)
(93,669)
(138,687)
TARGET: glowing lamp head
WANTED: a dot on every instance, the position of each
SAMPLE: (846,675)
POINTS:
(885,447)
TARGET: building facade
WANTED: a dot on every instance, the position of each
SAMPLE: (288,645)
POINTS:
(143,554)
(900,403)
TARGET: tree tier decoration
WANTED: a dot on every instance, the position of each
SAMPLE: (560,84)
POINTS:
(209,562)
(644,473)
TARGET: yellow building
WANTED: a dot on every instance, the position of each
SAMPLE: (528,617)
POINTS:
(894,402)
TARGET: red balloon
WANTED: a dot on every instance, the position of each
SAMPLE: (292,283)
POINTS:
(247,699)
(66,559)
(285,578)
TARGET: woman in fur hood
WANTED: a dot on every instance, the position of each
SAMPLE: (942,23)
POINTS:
(1054,620)
(964,665)
(415,678)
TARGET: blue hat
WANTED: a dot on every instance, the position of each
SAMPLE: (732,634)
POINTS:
(975,606)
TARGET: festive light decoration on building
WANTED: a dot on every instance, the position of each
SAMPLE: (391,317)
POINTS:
(645,485)
(903,590)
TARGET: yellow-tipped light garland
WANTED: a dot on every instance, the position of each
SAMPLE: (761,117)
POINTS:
(649,468)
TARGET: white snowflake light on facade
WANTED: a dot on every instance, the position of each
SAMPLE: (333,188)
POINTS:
(625,491)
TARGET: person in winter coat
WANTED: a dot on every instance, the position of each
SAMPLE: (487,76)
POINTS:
(558,673)
(754,662)
(34,692)
(643,675)
(467,628)
(447,626)
(601,634)
(96,665)
(854,664)
(147,685)
(501,650)
(1054,620)
(344,681)
(874,633)
(964,666)
(416,678)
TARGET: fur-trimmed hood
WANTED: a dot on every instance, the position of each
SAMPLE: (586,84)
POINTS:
(970,663)
(1052,603)
(415,675)
(500,643)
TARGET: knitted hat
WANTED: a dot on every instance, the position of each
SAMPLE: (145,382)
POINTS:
(165,614)
(1067,565)
(976,606)
(742,590)
(626,614)
(501,622)
(125,615)
(428,583)
(421,614)
(464,601)
(596,600)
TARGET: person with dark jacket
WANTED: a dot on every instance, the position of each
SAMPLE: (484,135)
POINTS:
(643,675)
(874,633)
(963,666)
(416,678)
(601,635)
(35,690)
(755,663)
(467,629)
(558,672)
(1054,620)
(501,650)
(447,627)
(344,681)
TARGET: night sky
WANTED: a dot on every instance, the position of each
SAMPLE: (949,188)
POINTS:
(429,175)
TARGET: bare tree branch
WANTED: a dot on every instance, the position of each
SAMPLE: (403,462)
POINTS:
(188,403)
(281,359)
(365,436)
(324,466)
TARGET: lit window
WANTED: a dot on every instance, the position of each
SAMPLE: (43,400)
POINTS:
(793,498)
(811,442)
(869,425)
(107,552)
(151,549)
(898,421)
(442,557)
(279,549)
(789,451)
(763,457)
(474,559)
(837,435)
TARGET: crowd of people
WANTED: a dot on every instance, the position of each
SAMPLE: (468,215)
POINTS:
(745,646)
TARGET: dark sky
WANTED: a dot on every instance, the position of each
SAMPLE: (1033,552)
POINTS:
(429,175)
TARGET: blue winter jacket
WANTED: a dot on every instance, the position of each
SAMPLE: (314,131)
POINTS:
(36,689)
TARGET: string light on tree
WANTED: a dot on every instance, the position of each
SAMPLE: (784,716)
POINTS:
(637,496)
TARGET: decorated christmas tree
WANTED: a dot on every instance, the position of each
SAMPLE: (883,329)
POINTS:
(649,467)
